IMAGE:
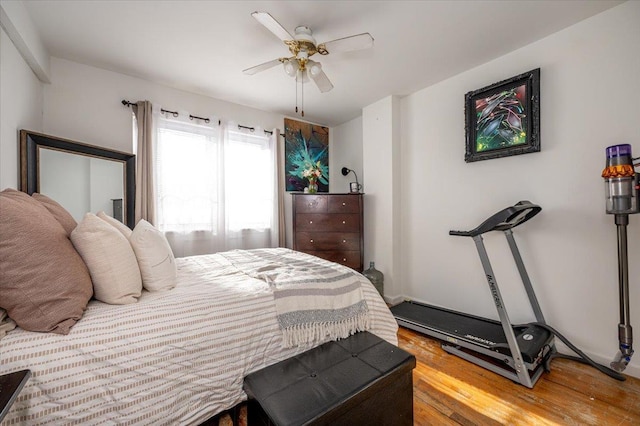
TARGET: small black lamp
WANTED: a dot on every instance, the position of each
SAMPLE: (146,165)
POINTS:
(353,186)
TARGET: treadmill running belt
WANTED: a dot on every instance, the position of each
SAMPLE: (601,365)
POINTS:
(482,331)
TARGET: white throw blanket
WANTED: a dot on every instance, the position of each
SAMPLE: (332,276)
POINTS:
(314,300)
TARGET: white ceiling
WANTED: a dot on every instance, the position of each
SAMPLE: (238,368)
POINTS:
(203,46)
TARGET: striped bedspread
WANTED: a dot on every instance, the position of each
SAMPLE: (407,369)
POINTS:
(177,357)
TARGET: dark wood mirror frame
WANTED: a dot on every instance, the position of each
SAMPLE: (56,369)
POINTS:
(30,170)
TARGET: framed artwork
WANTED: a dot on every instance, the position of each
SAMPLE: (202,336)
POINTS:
(306,150)
(503,119)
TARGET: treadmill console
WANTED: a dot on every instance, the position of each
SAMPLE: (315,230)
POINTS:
(505,219)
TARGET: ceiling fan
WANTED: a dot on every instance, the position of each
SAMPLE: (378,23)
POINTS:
(302,46)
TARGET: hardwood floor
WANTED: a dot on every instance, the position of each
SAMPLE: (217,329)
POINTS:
(451,391)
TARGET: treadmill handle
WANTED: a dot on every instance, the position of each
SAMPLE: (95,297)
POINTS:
(461,233)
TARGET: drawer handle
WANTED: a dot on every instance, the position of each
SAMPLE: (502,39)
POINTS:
(310,222)
(344,259)
(344,222)
(344,241)
(310,241)
(344,204)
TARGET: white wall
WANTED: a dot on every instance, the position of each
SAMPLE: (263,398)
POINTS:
(18,26)
(381,163)
(589,100)
(21,95)
(83,103)
(345,151)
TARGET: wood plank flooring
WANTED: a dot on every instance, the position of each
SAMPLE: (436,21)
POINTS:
(451,391)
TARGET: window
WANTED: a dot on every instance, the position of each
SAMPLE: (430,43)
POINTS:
(187,181)
(249,181)
(215,187)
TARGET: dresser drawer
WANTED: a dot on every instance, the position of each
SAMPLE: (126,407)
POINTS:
(346,258)
(344,204)
(310,203)
(329,226)
(328,222)
(327,241)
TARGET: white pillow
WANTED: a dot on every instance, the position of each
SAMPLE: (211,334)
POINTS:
(155,258)
(124,229)
(110,259)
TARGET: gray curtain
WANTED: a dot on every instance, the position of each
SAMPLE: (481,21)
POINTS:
(280,187)
(145,194)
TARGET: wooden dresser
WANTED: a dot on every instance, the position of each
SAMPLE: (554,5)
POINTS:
(329,226)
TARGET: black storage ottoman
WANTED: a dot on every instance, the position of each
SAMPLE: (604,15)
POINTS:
(361,380)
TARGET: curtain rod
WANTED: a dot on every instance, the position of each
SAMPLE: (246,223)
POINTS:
(174,113)
(206,120)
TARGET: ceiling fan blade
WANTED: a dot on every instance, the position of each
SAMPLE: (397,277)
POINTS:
(322,81)
(272,25)
(346,44)
(262,67)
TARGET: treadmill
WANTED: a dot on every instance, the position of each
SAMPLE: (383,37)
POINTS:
(517,352)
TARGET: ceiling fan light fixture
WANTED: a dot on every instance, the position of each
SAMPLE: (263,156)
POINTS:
(290,67)
(315,68)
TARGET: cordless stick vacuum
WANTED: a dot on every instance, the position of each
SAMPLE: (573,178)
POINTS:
(622,186)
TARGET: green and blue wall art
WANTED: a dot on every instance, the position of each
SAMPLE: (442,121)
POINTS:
(306,147)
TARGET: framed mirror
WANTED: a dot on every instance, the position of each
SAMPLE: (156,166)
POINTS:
(82,178)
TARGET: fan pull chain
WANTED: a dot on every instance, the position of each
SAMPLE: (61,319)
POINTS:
(296,92)
(300,79)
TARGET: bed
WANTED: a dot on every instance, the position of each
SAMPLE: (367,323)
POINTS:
(174,357)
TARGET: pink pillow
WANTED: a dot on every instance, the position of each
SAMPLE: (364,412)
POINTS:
(60,213)
(44,284)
